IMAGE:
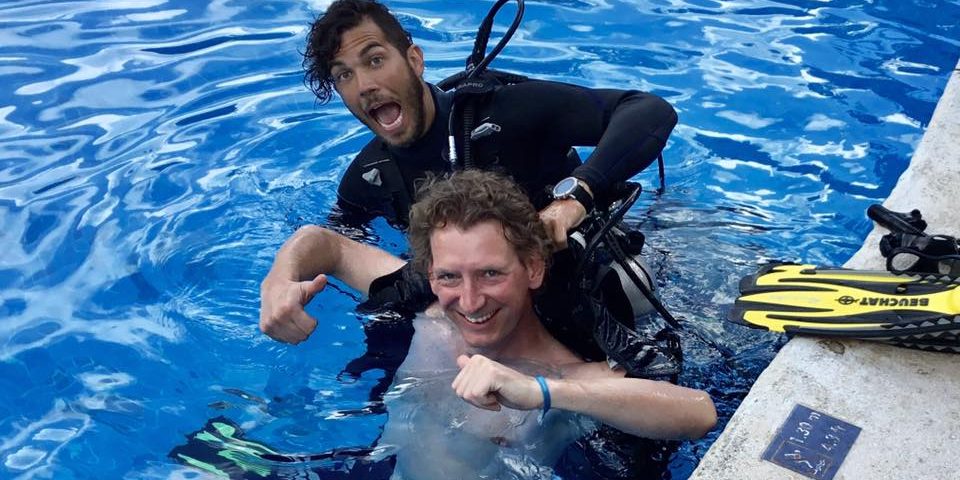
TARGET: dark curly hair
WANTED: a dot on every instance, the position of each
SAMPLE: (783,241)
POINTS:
(323,41)
(468,198)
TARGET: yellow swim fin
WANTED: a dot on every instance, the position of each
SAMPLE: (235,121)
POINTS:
(912,311)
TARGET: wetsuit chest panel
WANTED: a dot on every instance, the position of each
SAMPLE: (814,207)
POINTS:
(363,188)
(520,149)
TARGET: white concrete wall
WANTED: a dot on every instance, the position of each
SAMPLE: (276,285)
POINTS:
(906,402)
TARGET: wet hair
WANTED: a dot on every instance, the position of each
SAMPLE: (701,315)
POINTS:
(323,41)
(470,197)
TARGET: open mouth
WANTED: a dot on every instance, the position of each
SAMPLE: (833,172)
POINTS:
(479,319)
(388,115)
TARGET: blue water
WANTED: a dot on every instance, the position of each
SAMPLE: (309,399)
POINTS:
(155,154)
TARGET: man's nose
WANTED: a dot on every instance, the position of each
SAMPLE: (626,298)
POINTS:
(366,83)
(471,298)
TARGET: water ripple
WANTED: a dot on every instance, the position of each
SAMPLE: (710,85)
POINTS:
(155,154)
(212,42)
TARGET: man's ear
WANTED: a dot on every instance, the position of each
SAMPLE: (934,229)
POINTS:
(415,59)
(536,270)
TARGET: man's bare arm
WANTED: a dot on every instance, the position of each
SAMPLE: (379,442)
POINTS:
(300,271)
(646,408)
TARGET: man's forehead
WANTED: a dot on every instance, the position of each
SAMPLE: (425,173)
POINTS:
(359,38)
(489,234)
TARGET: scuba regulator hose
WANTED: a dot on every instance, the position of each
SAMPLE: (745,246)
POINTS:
(605,235)
(477,64)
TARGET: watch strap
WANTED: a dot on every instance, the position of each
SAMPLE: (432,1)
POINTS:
(580,194)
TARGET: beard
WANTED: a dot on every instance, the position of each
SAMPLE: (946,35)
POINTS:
(410,99)
(418,112)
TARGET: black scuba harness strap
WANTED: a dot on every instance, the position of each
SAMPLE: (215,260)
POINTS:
(392,179)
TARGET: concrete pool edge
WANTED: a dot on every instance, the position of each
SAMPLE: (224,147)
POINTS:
(904,401)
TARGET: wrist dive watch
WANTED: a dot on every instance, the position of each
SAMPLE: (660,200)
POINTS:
(573,187)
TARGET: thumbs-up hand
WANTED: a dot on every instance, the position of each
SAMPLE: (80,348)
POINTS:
(281,307)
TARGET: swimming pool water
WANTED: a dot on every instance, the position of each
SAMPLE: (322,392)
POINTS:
(155,154)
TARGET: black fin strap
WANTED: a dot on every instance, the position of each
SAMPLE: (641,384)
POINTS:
(911,223)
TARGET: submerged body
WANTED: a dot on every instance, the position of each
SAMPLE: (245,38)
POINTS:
(436,435)
(480,241)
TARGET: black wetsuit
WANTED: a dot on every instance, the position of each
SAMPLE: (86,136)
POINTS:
(539,122)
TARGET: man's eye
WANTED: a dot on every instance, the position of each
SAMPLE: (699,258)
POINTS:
(446,277)
(341,76)
(376,61)
(491,273)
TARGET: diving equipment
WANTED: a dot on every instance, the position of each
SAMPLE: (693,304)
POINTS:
(222,450)
(624,268)
(911,311)
(476,81)
(908,249)
(618,275)
(604,293)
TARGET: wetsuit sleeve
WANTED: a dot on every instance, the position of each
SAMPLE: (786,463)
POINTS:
(405,291)
(628,128)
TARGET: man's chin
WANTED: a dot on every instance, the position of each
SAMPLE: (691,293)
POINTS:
(478,343)
(395,139)
(401,142)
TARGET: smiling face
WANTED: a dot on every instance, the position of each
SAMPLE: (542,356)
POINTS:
(382,86)
(482,284)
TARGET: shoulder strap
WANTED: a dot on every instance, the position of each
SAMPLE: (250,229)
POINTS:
(393,180)
(468,91)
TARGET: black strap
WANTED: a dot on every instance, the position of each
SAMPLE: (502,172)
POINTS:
(405,291)
(469,119)
(392,178)
(897,222)
(663,177)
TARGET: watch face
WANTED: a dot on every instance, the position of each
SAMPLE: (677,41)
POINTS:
(565,187)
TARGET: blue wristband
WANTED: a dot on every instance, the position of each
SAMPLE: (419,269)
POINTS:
(546,394)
